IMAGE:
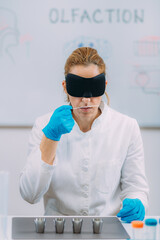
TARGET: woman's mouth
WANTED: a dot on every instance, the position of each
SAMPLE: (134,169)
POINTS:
(86,108)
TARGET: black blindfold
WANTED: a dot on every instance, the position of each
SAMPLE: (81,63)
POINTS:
(85,87)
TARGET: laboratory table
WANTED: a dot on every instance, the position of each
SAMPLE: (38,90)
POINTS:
(10,219)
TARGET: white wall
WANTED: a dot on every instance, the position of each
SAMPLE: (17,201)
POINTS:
(151,140)
(13,151)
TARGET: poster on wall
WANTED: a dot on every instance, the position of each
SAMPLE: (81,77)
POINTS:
(36,37)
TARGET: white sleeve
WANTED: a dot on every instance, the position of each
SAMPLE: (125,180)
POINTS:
(133,179)
(36,176)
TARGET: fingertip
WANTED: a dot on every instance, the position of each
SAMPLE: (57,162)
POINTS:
(67,107)
(70,106)
(119,214)
(127,220)
(73,121)
(126,201)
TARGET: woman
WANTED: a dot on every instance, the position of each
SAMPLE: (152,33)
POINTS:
(86,158)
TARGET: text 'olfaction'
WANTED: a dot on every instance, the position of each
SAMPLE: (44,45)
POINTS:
(98,16)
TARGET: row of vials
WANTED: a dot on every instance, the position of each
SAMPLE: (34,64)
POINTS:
(146,230)
(40,224)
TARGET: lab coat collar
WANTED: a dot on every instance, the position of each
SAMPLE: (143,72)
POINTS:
(104,108)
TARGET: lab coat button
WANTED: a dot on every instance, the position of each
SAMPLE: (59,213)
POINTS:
(85,187)
(85,195)
(85,162)
(85,169)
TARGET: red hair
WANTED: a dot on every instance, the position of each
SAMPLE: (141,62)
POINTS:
(85,56)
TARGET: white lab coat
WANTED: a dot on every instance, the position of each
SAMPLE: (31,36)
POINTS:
(93,171)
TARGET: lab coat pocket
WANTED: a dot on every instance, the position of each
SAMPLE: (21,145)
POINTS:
(106,177)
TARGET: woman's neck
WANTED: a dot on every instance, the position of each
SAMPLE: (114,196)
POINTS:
(85,124)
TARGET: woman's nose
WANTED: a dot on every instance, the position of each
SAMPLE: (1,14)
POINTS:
(86,100)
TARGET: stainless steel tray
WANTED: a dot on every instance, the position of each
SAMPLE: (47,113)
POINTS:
(24,228)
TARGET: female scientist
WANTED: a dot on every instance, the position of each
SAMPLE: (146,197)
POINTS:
(86,158)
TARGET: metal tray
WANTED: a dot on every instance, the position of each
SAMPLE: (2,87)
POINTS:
(24,228)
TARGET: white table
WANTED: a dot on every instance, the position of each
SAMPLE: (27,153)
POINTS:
(127,226)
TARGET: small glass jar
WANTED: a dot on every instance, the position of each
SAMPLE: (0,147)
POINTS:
(137,229)
(158,229)
(150,228)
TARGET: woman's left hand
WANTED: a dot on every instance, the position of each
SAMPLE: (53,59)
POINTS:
(133,209)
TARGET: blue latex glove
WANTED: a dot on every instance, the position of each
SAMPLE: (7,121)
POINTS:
(61,122)
(133,209)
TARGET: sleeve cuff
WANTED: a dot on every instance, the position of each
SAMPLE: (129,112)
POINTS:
(141,197)
(47,166)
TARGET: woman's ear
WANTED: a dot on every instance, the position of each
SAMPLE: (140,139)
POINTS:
(64,86)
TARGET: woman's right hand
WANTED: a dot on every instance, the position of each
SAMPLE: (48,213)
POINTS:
(61,122)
